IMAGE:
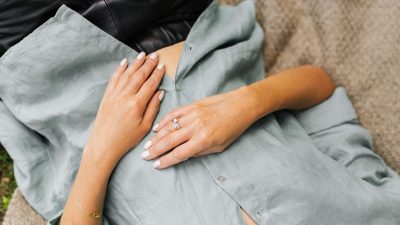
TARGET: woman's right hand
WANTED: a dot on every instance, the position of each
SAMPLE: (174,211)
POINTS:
(128,108)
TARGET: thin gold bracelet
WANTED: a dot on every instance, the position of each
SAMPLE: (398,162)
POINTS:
(92,214)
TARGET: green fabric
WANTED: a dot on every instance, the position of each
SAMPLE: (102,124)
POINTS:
(315,166)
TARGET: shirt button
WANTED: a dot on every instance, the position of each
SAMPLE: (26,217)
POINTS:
(178,88)
(221,178)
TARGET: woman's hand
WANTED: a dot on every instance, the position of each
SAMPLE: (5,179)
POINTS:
(207,126)
(210,125)
(128,108)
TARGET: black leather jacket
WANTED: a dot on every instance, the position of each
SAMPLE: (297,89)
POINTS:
(144,25)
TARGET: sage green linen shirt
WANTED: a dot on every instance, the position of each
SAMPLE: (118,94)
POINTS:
(315,166)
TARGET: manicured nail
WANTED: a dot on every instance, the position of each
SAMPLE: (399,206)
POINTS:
(155,127)
(148,144)
(141,55)
(161,96)
(153,55)
(145,154)
(156,164)
(160,66)
(123,62)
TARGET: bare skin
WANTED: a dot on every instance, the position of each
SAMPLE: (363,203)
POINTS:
(132,93)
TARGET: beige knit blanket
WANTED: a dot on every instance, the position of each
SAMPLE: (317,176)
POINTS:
(356,41)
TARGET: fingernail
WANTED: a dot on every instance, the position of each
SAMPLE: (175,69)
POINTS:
(123,62)
(148,144)
(155,127)
(153,55)
(156,164)
(141,55)
(145,154)
(160,66)
(161,96)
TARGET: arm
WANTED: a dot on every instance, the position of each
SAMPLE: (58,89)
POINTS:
(130,103)
(235,111)
(294,89)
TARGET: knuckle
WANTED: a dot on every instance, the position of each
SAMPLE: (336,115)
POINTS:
(197,111)
(179,156)
(151,83)
(204,139)
(140,74)
(196,120)
(199,122)
(134,104)
(174,113)
(195,107)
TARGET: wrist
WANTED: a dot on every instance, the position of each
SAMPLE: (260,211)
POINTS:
(250,104)
(261,100)
(99,158)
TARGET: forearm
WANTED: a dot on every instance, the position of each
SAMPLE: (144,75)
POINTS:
(88,191)
(295,89)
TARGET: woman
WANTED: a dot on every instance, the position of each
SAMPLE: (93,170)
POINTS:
(132,101)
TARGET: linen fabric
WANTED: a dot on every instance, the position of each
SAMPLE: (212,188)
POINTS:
(315,166)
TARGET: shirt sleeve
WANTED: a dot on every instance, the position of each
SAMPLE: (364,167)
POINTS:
(335,130)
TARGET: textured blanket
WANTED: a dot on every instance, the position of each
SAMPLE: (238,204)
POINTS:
(355,41)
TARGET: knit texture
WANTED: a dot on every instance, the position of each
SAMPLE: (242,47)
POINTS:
(356,42)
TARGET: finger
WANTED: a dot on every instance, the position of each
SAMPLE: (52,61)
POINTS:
(151,110)
(122,66)
(183,121)
(176,113)
(203,153)
(136,64)
(167,143)
(120,70)
(136,79)
(151,84)
(179,154)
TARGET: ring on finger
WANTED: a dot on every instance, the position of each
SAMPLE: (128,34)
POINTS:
(175,124)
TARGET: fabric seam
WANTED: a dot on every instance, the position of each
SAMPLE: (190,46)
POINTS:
(113,18)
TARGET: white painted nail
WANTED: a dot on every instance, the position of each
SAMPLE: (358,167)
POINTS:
(141,55)
(156,164)
(160,66)
(145,154)
(148,144)
(161,96)
(155,127)
(123,62)
(153,55)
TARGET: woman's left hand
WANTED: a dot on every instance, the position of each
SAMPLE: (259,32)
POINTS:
(207,126)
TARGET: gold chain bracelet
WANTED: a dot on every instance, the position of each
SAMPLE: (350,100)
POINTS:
(93,214)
